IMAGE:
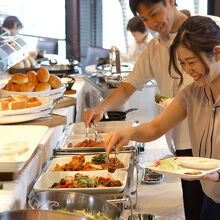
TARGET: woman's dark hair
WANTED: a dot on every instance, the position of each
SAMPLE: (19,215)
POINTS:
(134,4)
(197,34)
(136,24)
(10,21)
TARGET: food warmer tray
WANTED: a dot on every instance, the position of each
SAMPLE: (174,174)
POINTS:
(127,198)
(76,133)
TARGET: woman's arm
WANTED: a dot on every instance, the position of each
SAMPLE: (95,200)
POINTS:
(170,117)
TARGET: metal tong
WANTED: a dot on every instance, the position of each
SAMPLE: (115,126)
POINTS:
(95,132)
(111,169)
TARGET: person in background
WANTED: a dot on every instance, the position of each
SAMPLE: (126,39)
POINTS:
(141,38)
(162,17)
(197,48)
(11,26)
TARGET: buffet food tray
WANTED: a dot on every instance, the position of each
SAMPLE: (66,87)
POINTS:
(102,127)
(76,134)
(61,160)
(47,179)
(18,144)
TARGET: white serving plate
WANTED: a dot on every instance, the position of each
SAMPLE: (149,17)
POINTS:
(30,135)
(199,163)
(181,172)
(123,157)
(24,117)
(46,104)
(54,93)
(47,179)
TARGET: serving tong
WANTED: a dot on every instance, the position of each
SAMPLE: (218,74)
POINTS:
(111,169)
(95,132)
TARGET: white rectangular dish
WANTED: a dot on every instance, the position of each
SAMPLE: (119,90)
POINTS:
(186,167)
(47,179)
(102,127)
(75,139)
(123,157)
(17,144)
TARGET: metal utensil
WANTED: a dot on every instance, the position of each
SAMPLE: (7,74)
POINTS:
(95,131)
(87,133)
(111,169)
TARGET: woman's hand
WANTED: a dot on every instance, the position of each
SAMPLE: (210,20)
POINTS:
(118,139)
(214,177)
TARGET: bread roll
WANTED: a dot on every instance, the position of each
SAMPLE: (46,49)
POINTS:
(19,78)
(43,75)
(27,87)
(32,77)
(18,97)
(4,104)
(16,87)
(55,82)
(9,86)
(21,104)
(33,102)
(42,87)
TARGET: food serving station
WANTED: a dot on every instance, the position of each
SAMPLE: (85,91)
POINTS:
(44,154)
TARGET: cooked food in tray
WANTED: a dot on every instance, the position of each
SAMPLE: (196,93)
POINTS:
(84,212)
(85,143)
(97,216)
(84,181)
(163,100)
(14,102)
(33,81)
(78,163)
(79,181)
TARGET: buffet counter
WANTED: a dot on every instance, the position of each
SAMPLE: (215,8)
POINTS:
(163,200)
(14,193)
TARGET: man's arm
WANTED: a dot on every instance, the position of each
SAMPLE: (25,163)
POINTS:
(116,99)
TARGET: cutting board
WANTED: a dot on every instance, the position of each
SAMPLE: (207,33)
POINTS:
(65,102)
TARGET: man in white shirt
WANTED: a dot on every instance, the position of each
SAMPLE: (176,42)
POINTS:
(141,37)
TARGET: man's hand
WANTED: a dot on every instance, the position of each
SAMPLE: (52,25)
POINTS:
(94,114)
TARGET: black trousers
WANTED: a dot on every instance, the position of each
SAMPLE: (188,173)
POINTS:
(192,193)
(210,209)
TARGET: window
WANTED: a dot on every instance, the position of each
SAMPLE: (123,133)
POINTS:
(44,18)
